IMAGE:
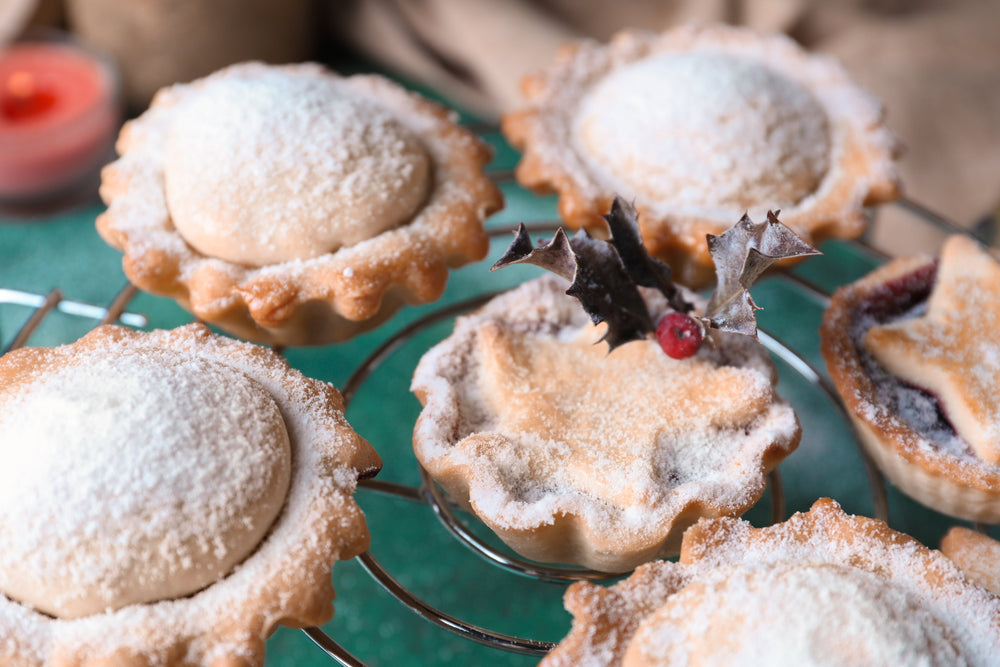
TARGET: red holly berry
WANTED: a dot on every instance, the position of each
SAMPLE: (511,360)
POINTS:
(679,334)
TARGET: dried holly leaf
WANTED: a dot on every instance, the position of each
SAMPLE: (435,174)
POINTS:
(741,256)
(555,255)
(598,279)
(646,270)
(605,275)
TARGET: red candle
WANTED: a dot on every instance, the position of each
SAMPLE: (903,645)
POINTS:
(59,114)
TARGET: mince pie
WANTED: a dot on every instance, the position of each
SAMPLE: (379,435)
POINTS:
(913,350)
(288,204)
(822,588)
(168,497)
(976,554)
(698,125)
(573,453)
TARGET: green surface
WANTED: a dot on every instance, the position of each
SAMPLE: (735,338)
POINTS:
(65,252)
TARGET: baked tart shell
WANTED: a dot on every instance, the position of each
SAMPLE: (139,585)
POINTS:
(314,301)
(967,489)
(580,512)
(285,579)
(861,172)
(607,621)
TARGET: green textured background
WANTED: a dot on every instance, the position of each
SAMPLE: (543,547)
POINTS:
(64,251)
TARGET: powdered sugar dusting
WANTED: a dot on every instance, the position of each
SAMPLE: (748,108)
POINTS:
(845,152)
(542,425)
(286,578)
(782,616)
(152,473)
(706,130)
(948,348)
(823,588)
(264,167)
(334,295)
(893,399)
(914,406)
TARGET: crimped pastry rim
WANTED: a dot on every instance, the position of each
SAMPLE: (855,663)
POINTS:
(604,619)
(571,537)
(344,291)
(228,621)
(861,171)
(966,489)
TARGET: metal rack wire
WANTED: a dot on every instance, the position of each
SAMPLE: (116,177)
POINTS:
(427,492)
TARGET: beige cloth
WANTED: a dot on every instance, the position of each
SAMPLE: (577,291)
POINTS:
(159,42)
(935,64)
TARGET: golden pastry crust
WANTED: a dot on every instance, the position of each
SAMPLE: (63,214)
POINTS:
(310,300)
(949,350)
(285,579)
(939,471)
(708,607)
(573,454)
(820,196)
(975,554)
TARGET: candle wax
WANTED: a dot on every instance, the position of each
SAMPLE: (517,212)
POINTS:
(58,116)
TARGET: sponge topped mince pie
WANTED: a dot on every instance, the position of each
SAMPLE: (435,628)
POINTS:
(168,497)
(289,204)
(698,125)
(823,588)
(913,350)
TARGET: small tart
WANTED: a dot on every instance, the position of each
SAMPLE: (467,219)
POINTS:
(697,126)
(912,351)
(975,554)
(574,454)
(168,494)
(822,588)
(288,204)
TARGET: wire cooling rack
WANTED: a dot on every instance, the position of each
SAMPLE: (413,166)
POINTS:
(428,493)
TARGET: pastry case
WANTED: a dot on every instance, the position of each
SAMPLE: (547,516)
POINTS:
(436,587)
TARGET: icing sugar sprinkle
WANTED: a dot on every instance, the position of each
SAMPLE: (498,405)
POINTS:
(269,167)
(707,130)
(794,607)
(823,588)
(122,472)
(544,427)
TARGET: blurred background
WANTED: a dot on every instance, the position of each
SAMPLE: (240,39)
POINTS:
(934,63)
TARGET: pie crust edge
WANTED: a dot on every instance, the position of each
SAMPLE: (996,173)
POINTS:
(227,622)
(935,479)
(571,537)
(863,148)
(331,297)
(605,619)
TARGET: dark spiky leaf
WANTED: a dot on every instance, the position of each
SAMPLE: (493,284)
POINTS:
(645,270)
(607,291)
(555,255)
(598,279)
(605,275)
(741,255)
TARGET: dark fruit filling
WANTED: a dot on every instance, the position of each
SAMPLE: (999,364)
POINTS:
(895,299)
(921,410)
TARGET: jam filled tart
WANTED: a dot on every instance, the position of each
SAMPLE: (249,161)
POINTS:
(288,204)
(913,350)
(168,497)
(822,588)
(594,444)
(696,126)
